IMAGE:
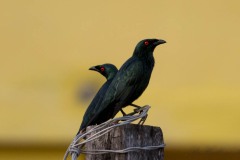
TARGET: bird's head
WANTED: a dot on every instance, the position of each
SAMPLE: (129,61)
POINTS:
(107,70)
(146,47)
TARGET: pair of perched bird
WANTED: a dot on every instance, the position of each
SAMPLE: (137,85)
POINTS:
(122,87)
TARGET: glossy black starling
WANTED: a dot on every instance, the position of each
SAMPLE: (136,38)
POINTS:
(108,71)
(130,81)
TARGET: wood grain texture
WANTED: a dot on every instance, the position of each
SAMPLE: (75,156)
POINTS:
(130,135)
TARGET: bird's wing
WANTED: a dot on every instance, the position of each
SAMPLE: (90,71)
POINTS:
(123,85)
(127,83)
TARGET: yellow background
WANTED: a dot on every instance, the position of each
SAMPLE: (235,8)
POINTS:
(47,46)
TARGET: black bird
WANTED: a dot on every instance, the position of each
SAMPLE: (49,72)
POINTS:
(109,71)
(130,81)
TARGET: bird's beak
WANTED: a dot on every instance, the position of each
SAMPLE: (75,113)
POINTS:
(160,41)
(93,68)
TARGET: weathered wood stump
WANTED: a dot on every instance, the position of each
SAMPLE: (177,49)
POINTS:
(130,135)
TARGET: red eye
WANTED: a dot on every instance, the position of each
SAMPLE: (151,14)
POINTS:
(146,43)
(102,69)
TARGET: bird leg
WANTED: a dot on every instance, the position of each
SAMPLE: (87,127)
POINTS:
(123,113)
(137,110)
(129,114)
(136,106)
(132,113)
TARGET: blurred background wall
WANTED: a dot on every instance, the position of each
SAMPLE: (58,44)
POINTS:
(47,46)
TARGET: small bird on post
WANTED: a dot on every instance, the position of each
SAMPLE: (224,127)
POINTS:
(108,71)
(130,81)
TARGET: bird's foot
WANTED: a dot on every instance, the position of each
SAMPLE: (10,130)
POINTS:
(135,111)
(138,110)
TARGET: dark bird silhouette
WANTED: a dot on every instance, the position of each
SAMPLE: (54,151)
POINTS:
(130,81)
(108,71)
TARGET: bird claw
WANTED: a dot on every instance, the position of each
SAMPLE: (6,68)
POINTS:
(139,110)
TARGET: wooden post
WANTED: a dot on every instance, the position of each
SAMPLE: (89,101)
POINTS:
(130,135)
